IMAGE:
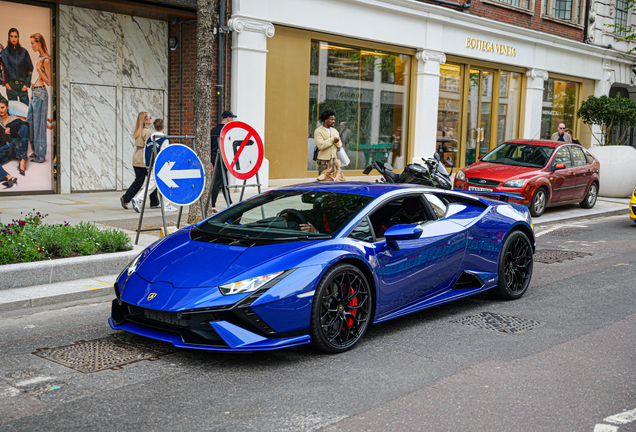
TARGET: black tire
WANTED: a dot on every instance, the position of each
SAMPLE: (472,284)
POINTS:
(590,197)
(515,267)
(539,202)
(341,310)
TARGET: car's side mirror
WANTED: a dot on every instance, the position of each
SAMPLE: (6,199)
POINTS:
(479,157)
(557,166)
(401,232)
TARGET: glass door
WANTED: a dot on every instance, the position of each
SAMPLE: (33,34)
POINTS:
(479,112)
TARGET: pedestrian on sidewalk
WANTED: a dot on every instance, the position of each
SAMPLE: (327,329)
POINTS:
(327,140)
(561,135)
(217,179)
(141,134)
(574,140)
(162,142)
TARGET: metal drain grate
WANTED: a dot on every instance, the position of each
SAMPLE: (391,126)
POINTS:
(551,256)
(566,232)
(499,323)
(111,352)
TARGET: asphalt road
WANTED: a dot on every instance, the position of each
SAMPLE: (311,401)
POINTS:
(574,371)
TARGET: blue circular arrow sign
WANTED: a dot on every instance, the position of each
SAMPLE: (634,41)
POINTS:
(179,174)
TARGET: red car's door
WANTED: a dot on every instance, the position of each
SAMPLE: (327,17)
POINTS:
(583,173)
(563,180)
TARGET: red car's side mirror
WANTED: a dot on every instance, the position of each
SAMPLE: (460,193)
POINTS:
(479,157)
(559,166)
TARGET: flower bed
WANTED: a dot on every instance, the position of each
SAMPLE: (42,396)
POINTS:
(28,239)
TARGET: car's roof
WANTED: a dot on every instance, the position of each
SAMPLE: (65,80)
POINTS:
(541,142)
(371,189)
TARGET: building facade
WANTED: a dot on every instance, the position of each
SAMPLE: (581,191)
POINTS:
(401,74)
(107,62)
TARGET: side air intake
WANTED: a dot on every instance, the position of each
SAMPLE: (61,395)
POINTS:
(468,281)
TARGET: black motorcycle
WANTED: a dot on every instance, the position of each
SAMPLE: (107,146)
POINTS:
(431,173)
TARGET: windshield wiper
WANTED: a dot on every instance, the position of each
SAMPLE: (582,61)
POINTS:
(302,237)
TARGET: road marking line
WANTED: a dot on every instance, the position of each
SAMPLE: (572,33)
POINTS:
(605,428)
(622,418)
(34,381)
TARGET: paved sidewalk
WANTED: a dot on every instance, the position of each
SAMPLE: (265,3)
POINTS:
(104,209)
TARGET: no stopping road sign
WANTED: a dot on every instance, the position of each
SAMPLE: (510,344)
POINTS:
(242,149)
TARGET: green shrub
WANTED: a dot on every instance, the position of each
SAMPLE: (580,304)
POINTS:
(29,239)
(112,240)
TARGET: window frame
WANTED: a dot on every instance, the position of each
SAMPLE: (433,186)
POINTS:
(529,10)
(548,8)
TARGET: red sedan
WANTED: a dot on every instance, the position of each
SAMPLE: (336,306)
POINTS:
(542,173)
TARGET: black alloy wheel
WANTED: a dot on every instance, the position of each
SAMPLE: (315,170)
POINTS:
(515,267)
(341,310)
(590,197)
(539,202)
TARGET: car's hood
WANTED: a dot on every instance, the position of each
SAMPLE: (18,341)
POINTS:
(185,263)
(499,172)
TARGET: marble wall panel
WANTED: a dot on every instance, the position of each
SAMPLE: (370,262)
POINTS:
(134,101)
(145,52)
(93,132)
(108,49)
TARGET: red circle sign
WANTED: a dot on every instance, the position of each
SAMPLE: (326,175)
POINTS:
(236,141)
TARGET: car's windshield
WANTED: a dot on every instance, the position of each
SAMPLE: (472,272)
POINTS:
(287,216)
(527,155)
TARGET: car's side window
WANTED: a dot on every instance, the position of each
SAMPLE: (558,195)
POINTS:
(578,156)
(563,156)
(439,207)
(362,231)
(404,210)
(590,158)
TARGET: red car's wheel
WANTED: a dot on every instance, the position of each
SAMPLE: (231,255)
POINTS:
(539,202)
(590,197)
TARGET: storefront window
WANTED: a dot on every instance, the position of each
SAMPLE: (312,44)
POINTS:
(368,91)
(448,112)
(508,109)
(27,148)
(559,105)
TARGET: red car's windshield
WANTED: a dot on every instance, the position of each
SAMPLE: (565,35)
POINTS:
(526,155)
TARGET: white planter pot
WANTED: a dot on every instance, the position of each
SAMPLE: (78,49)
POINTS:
(618,170)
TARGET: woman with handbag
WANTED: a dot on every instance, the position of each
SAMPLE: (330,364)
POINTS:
(327,140)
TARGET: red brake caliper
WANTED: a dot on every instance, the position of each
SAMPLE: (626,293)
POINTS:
(352,303)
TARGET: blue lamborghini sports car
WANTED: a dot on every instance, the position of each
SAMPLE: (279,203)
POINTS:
(319,263)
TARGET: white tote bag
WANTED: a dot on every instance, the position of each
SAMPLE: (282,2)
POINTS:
(343,158)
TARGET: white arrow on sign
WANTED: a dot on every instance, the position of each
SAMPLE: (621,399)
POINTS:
(167,175)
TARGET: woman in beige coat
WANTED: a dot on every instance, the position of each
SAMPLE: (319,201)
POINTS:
(141,135)
(327,140)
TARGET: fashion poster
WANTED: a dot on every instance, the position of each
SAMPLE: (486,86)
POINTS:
(26,115)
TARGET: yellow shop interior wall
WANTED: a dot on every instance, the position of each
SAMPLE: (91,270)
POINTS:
(287,103)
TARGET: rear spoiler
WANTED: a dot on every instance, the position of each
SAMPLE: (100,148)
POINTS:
(498,196)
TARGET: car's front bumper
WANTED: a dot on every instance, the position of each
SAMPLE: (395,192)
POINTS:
(208,331)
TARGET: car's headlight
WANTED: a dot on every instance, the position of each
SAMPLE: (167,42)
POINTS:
(133,265)
(517,183)
(247,285)
(461,176)
(635,192)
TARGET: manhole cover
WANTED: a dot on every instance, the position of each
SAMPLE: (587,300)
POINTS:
(111,352)
(500,323)
(551,256)
(566,232)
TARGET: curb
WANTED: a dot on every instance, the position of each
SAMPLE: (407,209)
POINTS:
(64,269)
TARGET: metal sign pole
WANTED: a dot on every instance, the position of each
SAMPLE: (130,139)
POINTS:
(194,147)
(143,204)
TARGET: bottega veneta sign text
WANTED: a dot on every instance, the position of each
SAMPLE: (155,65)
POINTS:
(491,47)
